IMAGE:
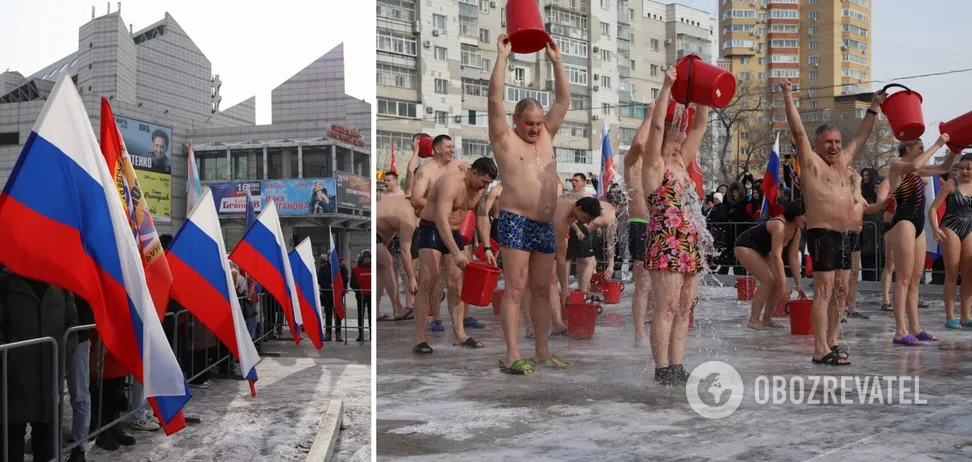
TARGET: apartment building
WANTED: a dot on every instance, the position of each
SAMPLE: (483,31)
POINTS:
(820,45)
(434,63)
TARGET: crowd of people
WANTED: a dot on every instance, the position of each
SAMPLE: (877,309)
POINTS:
(672,234)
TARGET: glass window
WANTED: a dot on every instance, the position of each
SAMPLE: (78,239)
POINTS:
(317,159)
(240,164)
(212,166)
(275,164)
(294,163)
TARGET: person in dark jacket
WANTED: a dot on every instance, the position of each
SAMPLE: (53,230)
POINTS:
(32,309)
(358,273)
(327,299)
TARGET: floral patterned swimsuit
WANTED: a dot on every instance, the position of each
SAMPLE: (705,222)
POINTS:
(672,236)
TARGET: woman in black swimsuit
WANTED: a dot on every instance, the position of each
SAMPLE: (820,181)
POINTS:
(906,236)
(953,233)
(760,250)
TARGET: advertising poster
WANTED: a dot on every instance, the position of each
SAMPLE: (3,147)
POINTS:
(150,148)
(353,192)
(309,196)
(230,198)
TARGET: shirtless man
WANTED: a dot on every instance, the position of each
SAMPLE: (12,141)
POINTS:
(526,159)
(576,214)
(394,226)
(391,185)
(638,230)
(580,243)
(391,251)
(439,244)
(854,234)
(578,184)
(830,206)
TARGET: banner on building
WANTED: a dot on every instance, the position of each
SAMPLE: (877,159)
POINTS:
(230,198)
(150,148)
(353,192)
(309,196)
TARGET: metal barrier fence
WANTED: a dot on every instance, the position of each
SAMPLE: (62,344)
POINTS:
(191,346)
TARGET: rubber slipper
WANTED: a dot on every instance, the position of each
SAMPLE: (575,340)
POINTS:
(967,324)
(559,333)
(519,367)
(840,351)
(926,337)
(953,324)
(553,362)
(887,307)
(831,359)
(422,349)
(907,340)
(410,314)
(469,343)
(383,318)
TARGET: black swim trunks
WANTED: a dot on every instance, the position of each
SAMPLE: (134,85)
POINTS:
(415,244)
(429,237)
(638,238)
(829,250)
(854,239)
(395,245)
(579,247)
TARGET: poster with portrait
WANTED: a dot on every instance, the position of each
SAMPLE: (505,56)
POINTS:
(150,149)
(230,197)
(309,196)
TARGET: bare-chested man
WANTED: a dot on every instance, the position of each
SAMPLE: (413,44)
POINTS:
(391,185)
(830,208)
(578,185)
(580,242)
(441,245)
(638,230)
(526,158)
(575,214)
(388,276)
(395,225)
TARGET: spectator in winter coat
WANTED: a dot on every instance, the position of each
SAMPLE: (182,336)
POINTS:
(360,272)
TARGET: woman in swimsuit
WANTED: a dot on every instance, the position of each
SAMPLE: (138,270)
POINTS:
(906,237)
(954,233)
(674,257)
(760,250)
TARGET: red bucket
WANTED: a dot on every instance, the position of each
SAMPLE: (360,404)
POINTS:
(597,281)
(580,319)
(525,26)
(685,119)
(702,83)
(478,283)
(903,110)
(612,291)
(800,316)
(576,296)
(498,301)
(425,146)
(481,250)
(746,287)
(468,227)
(959,131)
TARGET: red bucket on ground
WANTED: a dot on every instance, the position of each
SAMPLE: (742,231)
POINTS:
(702,83)
(481,250)
(524,25)
(497,301)
(576,296)
(596,280)
(478,283)
(612,291)
(581,319)
(468,227)
(903,110)
(425,146)
(800,316)
(746,288)
(959,131)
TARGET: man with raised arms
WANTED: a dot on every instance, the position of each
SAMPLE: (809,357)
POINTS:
(526,159)
(829,200)
(441,246)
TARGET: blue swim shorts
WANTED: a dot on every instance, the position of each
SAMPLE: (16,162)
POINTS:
(522,233)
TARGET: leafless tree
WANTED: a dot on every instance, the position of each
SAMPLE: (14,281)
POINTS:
(742,118)
(880,147)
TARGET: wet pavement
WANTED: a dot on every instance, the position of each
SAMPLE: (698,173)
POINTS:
(457,405)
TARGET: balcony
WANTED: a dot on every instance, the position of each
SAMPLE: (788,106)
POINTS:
(566,31)
(624,71)
(624,45)
(577,6)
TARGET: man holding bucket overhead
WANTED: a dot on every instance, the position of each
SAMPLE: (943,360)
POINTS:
(441,245)
(526,236)
(829,198)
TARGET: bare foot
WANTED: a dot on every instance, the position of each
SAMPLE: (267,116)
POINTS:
(755,325)
(772,324)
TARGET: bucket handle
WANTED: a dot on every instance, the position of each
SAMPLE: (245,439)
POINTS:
(688,80)
(786,308)
(890,85)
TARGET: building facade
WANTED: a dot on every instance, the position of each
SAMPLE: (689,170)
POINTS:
(163,94)
(434,62)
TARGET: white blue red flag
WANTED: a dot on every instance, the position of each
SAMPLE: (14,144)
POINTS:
(305,276)
(263,254)
(254,287)
(193,187)
(771,180)
(62,223)
(607,162)
(203,283)
(337,282)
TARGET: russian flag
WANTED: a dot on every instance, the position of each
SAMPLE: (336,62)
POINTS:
(263,254)
(203,283)
(250,220)
(771,180)
(305,276)
(193,187)
(62,223)
(337,282)
(607,162)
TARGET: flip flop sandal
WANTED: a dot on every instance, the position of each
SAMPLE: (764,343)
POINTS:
(831,359)
(409,315)
(469,343)
(384,318)
(926,337)
(953,324)
(907,340)
(887,307)
(559,333)
(553,362)
(422,349)
(519,367)
(840,351)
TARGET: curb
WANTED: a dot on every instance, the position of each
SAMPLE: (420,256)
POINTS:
(326,439)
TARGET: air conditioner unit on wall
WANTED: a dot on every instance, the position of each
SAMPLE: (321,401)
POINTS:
(429,110)
(458,119)
(492,4)
(596,49)
(596,88)
(427,44)
(435,33)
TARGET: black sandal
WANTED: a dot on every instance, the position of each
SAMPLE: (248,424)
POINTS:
(858,315)
(422,349)
(886,307)
(840,351)
(831,359)
(469,343)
